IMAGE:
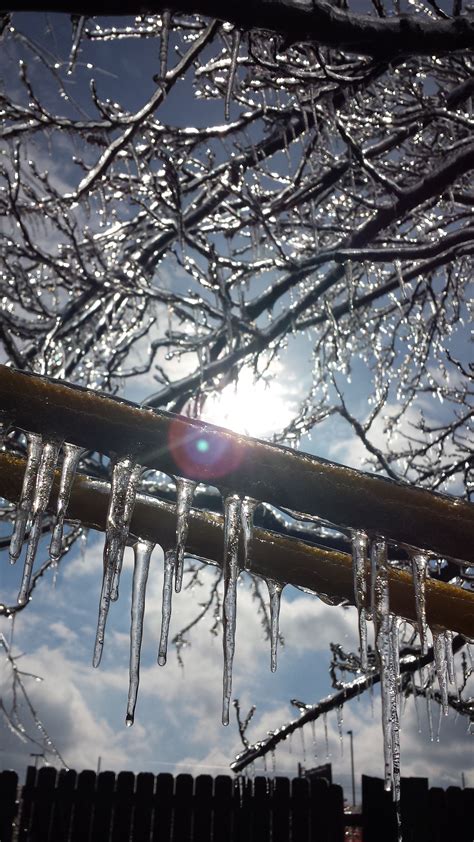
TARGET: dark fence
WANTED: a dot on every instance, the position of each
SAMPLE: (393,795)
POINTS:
(69,807)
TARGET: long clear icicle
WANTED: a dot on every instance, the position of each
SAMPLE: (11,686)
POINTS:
(232,71)
(274,592)
(450,657)
(44,483)
(142,554)
(247,512)
(386,642)
(35,449)
(72,454)
(169,569)
(130,477)
(185,489)
(419,567)
(359,566)
(125,476)
(441,663)
(232,518)
(165,34)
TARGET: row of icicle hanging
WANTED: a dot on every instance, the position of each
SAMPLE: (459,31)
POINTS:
(371,596)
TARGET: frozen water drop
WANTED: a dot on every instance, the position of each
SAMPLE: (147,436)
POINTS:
(232,519)
(72,454)
(185,489)
(142,554)
(169,569)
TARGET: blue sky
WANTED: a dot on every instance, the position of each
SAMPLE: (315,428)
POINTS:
(177,724)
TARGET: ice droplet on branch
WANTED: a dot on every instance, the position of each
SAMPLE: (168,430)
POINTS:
(125,476)
(72,454)
(247,512)
(419,567)
(232,519)
(359,562)
(185,489)
(42,491)
(142,554)
(274,592)
(168,573)
(34,451)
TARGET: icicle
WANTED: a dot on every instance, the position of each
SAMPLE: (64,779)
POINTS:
(303,744)
(125,476)
(313,733)
(382,645)
(232,71)
(232,517)
(398,271)
(394,691)
(72,454)
(359,561)
(247,512)
(274,592)
(430,715)
(35,449)
(450,657)
(440,718)
(419,566)
(78,22)
(349,283)
(273,753)
(169,569)
(126,490)
(44,483)
(340,719)
(441,661)
(142,554)
(185,489)
(326,737)
(165,35)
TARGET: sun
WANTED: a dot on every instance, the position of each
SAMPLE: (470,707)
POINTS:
(253,407)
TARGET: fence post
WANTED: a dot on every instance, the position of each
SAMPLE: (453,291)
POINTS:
(63,803)
(163,807)
(102,818)
(261,811)
(280,810)
(414,809)
(300,809)
(222,808)
(202,808)
(142,814)
(379,813)
(8,805)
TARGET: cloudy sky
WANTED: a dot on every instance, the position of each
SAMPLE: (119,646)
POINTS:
(177,726)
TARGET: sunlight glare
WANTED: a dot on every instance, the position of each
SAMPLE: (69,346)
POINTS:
(253,407)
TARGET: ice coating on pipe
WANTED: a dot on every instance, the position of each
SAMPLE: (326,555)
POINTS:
(142,554)
(232,519)
(166,605)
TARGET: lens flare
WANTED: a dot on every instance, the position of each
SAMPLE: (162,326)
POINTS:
(203,454)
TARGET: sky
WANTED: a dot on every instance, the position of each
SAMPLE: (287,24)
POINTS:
(177,726)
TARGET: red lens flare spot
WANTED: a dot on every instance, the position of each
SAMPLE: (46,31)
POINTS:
(203,454)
